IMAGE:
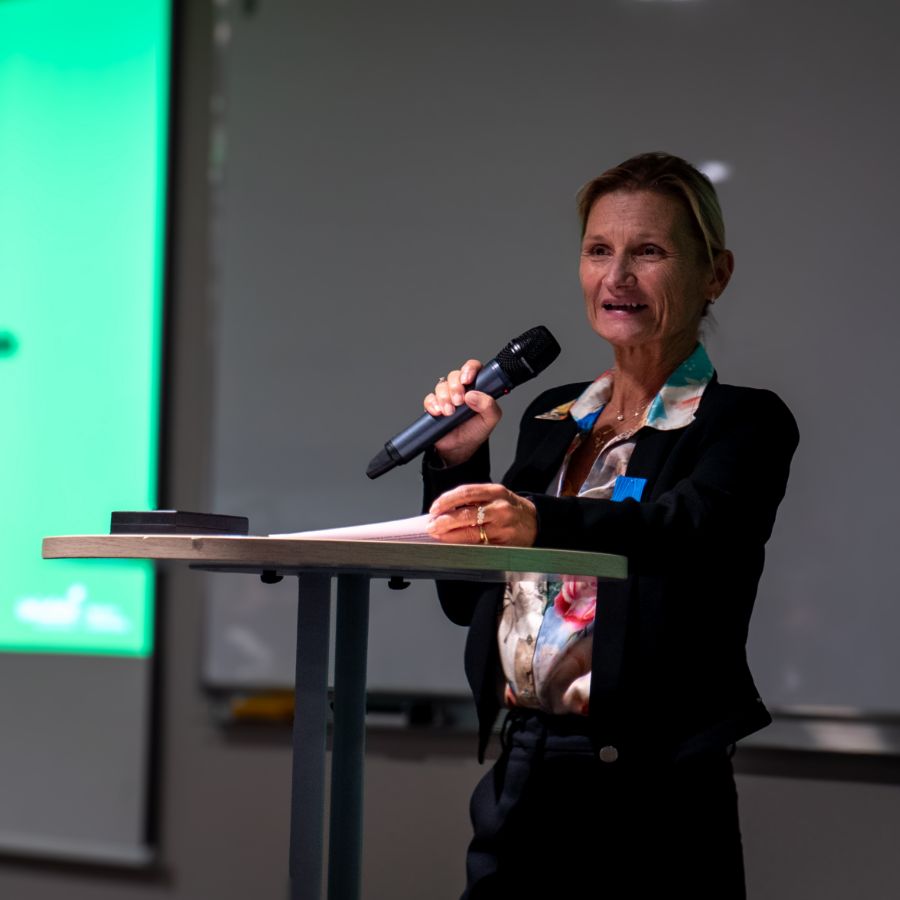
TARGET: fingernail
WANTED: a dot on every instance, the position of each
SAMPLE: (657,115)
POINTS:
(448,409)
(457,399)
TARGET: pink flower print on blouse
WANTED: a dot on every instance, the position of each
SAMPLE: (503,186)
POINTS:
(576,602)
(562,653)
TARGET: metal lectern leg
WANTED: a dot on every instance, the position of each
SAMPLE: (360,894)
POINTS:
(349,738)
(310,724)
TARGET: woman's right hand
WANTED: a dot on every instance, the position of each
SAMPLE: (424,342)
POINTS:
(460,444)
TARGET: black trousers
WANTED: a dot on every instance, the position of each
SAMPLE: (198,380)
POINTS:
(551,820)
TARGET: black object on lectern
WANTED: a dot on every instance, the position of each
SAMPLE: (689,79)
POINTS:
(174,521)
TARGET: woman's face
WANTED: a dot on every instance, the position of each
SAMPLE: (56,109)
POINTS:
(646,278)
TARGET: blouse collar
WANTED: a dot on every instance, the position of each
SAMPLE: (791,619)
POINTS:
(673,407)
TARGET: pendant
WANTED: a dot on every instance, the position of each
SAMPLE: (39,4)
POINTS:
(620,417)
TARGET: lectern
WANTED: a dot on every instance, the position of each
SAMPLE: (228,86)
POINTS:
(353,564)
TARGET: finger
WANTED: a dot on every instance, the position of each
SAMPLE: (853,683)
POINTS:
(486,407)
(470,368)
(457,391)
(450,392)
(468,495)
(442,391)
(467,535)
(451,501)
(460,518)
(441,526)
(456,519)
(432,405)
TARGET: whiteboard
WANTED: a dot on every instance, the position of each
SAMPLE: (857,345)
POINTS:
(397,193)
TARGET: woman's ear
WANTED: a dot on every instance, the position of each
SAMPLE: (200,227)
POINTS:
(723,267)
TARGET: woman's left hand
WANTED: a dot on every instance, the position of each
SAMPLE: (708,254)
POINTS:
(507,518)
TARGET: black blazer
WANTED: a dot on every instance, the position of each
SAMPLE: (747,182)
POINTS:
(669,670)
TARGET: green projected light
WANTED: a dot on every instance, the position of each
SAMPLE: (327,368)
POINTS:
(83,120)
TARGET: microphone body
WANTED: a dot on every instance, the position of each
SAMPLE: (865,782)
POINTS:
(522,359)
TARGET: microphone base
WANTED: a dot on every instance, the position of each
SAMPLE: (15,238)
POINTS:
(381,463)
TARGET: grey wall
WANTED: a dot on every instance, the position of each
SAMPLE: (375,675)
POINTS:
(75,764)
(397,194)
(224,798)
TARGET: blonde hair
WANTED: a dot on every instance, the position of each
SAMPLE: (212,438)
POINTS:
(671,176)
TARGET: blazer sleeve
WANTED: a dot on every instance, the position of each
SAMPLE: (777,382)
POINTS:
(458,599)
(728,473)
(439,478)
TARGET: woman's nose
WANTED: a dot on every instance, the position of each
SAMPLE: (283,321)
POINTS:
(620,273)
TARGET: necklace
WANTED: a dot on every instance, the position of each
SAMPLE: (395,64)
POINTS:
(589,448)
(606,434)
(620,417)
(603,436)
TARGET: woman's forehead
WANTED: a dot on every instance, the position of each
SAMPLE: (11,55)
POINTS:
(639,213)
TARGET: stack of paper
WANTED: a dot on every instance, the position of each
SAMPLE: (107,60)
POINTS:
(412,530)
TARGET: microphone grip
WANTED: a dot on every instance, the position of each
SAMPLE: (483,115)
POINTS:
(429,429)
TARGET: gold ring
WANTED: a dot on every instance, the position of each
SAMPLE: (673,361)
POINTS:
(483,535)
(479,516)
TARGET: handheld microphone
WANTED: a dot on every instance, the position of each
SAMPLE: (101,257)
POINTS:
(521,359)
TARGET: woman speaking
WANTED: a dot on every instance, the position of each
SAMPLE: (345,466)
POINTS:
(623,701)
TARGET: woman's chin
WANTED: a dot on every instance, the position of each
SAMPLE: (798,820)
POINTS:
(623,332)
(618,324)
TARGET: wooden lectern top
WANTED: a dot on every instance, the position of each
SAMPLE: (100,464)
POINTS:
(374,558)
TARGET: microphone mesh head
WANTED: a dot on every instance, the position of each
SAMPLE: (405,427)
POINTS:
(528,354)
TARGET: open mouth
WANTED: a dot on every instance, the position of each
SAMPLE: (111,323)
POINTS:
(624,307)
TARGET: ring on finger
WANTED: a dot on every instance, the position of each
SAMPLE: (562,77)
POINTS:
(479,517)
(442,379)
(482,535)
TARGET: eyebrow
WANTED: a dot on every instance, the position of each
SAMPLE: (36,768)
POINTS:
(642,236)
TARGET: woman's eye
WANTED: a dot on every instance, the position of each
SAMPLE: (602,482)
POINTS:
(650,251)
(597,250)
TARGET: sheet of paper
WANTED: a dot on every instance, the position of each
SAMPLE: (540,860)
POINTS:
(412,530)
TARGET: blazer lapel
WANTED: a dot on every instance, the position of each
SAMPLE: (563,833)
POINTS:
(651,449)
(535,471)
(654,448)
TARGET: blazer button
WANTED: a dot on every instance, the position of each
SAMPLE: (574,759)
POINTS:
(608,754)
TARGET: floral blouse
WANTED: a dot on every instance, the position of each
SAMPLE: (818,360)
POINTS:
(547,621)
